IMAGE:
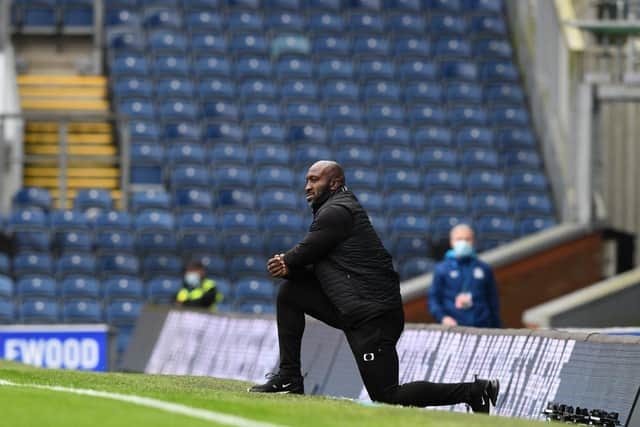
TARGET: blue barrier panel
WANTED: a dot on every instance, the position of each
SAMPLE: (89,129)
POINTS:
(81,347)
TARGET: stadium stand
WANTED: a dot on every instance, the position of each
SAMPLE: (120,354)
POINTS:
(421,101)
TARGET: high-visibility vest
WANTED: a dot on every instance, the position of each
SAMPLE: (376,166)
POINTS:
(196,293)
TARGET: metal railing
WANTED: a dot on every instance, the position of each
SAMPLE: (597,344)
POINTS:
(63,158)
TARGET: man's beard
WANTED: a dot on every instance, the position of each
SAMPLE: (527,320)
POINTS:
(322,197)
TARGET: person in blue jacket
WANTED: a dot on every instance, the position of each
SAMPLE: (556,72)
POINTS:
(463,291)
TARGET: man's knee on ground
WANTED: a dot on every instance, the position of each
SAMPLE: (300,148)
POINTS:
(383,396)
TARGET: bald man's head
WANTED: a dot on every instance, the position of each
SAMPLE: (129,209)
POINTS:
(323,178)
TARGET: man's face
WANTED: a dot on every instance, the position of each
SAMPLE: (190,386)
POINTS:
(317,183)
(462,233)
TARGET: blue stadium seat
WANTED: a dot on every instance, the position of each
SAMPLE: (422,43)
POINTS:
(202,20)
(230,198)
(480,158)
(432,136)
(464,93)
(324,5)
(522,159)
(349,134)
(182,109)
(343,113)
(379,223)
(215,265)
(509,116)
(452,47)
(362,178)
(245,21)
(285,21)
(488,26)
(331,46)
(340,91)
(126,40)
(406,22)
(294,68)
(80,286)
(161,18)
(476,137)
(114,240)
(397,179)
(122,18)
(485,180)
(163,289)
(527,181)
(156,241)
(438,157)
(381,91)
(242,243)
(515,137)
(443,180)
(32,263)
(376,69)
(221,110)
(189,153)
(6,288)
(495,227)
(123,312)
(270,154)
(459,71)
(198,240)
(189,176)
(442,224)
(248,44)
(468,116)
(136,109)
(374,46)
(261,112)
(334,69)
(392,114)
(257,90)
(193,199)
(232,177)
(486,6)
(118,220)
(111,264)
(307,134)
(445,6)
(174,88)
(326,22)
(409,246)
(226,133)
(263,132)
(302,112)
(254,289)
(166,41)
(506,93)
(211,66)
(162,264)
(490,203)
(28,219)
(228,154)
(154,219)
(132,88)
(298,89)
(247,265)
(39,18)
(277,199)
(499,71)
(280,220)
(448,24)
(239,219)
(396,156)
(39,310)
(493,48)
(365,22)
(422,115)
(405,201)
(355,156)
(5,264)
(207,43)
(149,199)
(32,197)
(534,224)
(451,203)
(419,70)
(307,154)
(423,93)
(132,65)
(144,130)
(93,198)
(371,200)
(274,176)
(76,263)
(36,286)
(73,240)
(31,239)
(416,266)
(196,221)
(243,4)
(532,205)
(82,311)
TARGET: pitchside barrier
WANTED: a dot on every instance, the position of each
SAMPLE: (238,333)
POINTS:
(81,347)
(534,367)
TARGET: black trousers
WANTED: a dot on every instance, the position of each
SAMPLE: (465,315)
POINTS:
(373,345)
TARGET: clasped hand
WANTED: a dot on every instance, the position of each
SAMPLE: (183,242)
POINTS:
(277,267)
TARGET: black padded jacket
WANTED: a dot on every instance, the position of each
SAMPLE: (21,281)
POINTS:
(347,257)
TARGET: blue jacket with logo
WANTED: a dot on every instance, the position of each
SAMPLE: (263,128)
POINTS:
(468,274)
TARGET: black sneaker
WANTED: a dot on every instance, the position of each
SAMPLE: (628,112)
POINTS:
(484,394)
(280,384)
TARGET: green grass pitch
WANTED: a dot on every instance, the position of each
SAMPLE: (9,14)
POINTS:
(36,407)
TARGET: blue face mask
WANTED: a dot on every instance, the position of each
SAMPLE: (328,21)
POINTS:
(462,248)
(192,279)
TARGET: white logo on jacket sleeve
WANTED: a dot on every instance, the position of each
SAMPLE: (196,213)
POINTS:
(454,274)
(478,273)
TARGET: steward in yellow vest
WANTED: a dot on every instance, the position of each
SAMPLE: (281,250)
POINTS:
(198,291)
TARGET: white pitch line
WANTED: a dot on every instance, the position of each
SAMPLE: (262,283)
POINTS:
(176,408)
